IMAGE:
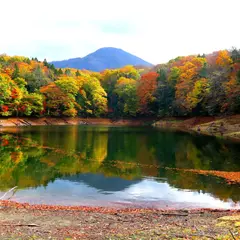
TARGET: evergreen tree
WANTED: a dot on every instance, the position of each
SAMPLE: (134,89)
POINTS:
(60,72)
(78,73)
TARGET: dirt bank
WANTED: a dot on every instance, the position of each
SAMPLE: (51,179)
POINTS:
(23,221)
(24,121)
(225,127)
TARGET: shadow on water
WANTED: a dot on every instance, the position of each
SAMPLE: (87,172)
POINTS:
(118,159)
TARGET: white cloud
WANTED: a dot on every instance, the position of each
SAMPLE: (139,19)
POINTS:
(156,30)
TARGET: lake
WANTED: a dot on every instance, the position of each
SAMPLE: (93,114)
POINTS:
(118,167)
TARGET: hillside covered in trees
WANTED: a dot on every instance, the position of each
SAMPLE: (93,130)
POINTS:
(185,86)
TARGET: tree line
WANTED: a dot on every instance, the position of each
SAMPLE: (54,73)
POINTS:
(193,85)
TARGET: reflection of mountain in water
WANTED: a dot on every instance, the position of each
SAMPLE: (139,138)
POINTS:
(102,183)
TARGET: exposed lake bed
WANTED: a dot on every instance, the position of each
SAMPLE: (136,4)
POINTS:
(24,221)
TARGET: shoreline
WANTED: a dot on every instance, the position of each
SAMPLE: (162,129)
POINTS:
(110,209)
(25,221)
(54,121)
(221,127)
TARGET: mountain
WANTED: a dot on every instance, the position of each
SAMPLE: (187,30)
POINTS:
(102,59)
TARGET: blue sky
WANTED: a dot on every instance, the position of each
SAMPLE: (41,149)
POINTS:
(155,30)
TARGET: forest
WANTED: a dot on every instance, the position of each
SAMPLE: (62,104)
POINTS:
(196,85)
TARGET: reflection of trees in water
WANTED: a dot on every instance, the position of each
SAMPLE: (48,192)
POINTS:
(38,164)
(208,154)
(195,152)
(37,157)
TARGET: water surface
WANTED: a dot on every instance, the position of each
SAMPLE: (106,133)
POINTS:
(118,166)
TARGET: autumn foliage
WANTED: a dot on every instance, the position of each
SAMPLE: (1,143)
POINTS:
(146,89)
(185,86)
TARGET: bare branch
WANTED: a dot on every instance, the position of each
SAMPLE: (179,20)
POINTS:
(12,189)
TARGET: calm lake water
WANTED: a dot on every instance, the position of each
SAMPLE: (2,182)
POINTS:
(118,166)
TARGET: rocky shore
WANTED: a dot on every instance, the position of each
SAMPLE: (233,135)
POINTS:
(222,127)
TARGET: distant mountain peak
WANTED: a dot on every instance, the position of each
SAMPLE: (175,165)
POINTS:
(108,48)
(103,58)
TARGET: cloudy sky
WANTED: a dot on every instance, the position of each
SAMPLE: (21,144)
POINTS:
(155,30)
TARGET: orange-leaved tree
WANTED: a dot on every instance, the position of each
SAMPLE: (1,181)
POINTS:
(146,88)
